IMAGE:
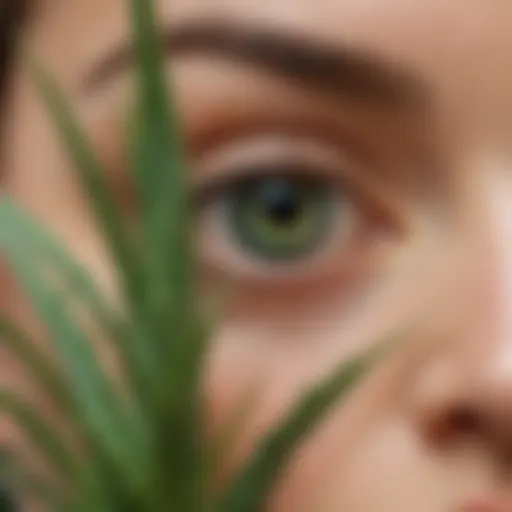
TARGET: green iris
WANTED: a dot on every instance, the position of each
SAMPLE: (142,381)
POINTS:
(280,219)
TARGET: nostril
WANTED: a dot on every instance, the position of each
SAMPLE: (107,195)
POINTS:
(452,425)
(465,421)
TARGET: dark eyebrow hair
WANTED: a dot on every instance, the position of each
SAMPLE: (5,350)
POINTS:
(343,71)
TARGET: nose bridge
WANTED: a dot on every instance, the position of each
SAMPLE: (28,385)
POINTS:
(485,339)
(471,393)
(497,263)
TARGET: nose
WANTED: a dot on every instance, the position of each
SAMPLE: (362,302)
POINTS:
(481,412)
(467,392)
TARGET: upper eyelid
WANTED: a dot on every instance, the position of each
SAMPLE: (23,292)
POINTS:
(294,171)
(241,100)
(320,155)
(302,155)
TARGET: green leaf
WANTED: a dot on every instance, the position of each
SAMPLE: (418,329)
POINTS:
(17,481)
(43,436)
(159,164)
(92,178)
(20,233)
(43,370)
(103,415)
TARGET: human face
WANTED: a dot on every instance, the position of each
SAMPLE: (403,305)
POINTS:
(397,147)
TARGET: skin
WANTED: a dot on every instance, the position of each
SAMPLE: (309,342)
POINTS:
(431,429)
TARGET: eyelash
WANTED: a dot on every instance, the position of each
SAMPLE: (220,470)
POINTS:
(219,186)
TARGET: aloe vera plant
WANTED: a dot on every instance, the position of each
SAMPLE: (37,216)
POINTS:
(142,445)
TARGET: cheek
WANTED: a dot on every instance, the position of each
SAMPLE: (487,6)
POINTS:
(329,453)
(280,356)
(392,463)
(262,368)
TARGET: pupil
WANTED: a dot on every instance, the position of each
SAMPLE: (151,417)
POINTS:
(281,204)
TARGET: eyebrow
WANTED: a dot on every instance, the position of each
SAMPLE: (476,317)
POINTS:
(340,71)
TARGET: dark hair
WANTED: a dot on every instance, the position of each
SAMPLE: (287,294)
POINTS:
(12,14)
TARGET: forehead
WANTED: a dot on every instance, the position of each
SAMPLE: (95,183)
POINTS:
(389,23)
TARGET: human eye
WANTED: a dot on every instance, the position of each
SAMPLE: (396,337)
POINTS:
(276,207)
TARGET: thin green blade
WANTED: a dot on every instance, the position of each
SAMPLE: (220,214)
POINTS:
(92,178)
(42,435)
(159,168)
(42,369)
(103,415)
(131,347)
(19,484)
(159,163)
